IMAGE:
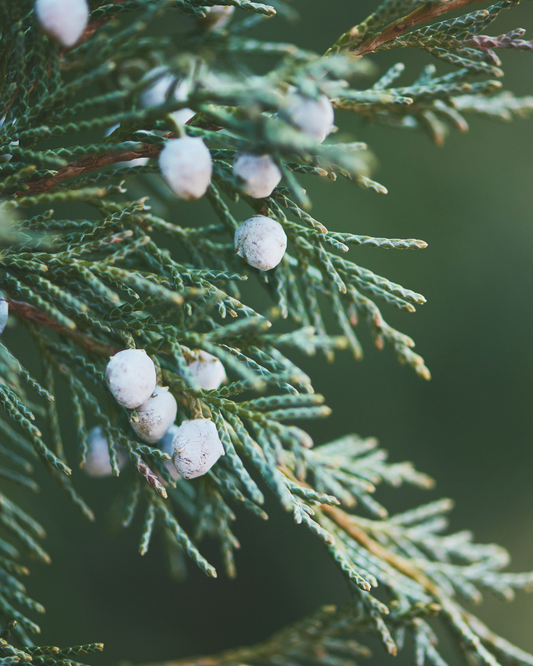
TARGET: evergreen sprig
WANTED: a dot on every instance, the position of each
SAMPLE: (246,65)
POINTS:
(88,281)
(48,655)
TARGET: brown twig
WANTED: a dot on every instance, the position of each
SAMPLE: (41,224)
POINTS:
(35,316)
(94,162)
(151,478)
(195,407)
(346,522)
(426,13)
(31,313)
(91,163)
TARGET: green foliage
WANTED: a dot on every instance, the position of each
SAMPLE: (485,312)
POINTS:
(48,655)
(88,269)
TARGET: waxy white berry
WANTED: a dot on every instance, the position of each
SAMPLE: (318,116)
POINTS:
(259,174)
(4,311)
(313,116)
(156,415)
(187,167)
(218,16)
(97,462)
(62,20)
(157,93)
(196,448)
(131,377)
(261,241)
(208,371)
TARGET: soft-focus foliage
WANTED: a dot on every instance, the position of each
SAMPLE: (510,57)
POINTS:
(119,275)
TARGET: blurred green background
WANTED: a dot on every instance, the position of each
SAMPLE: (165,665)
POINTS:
(470,427)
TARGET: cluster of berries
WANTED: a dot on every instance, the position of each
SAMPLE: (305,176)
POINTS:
(186,166)
(132,380)
(186,163)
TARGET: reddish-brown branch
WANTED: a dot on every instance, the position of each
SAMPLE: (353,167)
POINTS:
(94,162)
(426,13)
(91,163)
(31,313)
(35,316)
(152,479)
(346,523)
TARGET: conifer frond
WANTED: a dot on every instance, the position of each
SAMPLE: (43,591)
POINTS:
(328,637)
(48,655)
(89,269)
(435,103)
(323,638)
(18,525)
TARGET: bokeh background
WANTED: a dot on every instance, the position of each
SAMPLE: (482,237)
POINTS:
(470,427)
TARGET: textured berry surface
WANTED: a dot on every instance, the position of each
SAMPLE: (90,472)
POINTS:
(131,377)
(259,174)
(261,241)
(313,116)
(186,167)
(156,415)
(62,20)
(208,371)
(196,448)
